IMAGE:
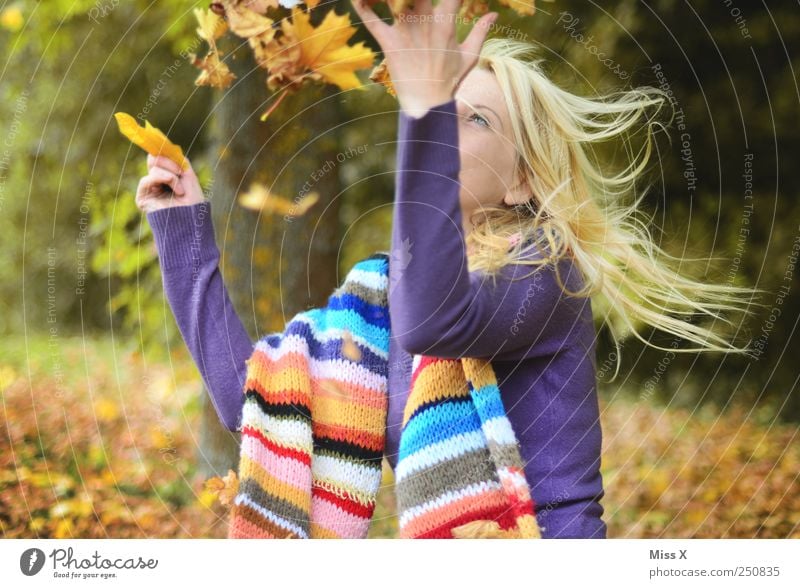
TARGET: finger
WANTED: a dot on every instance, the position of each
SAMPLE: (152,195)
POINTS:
(165,162)
(474,41)
(159,175)
(414,17)
(444,18)
(423,7)
(447,7)
(372,21)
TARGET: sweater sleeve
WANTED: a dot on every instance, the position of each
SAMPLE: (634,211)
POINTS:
(437,306)
(216,338)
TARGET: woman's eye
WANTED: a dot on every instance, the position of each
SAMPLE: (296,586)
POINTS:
(477,116)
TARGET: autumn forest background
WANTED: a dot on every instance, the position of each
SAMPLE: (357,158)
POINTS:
(106,429)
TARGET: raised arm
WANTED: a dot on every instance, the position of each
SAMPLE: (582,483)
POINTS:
(189,259)
(437,306)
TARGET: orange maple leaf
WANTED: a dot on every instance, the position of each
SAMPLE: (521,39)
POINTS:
(324,50)
(225,488)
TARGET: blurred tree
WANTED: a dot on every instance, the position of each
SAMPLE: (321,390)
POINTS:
(272,267)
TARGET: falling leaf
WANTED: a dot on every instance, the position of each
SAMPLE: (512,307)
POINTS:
(321,53)
(150,139)
(380,75)
(225,488)
(349,348)
(214,72)
(260,199)
(244,21)
(212,27)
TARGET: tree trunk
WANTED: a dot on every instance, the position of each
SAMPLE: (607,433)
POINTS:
(272,268)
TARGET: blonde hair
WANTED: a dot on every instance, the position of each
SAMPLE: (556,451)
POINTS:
(579,210)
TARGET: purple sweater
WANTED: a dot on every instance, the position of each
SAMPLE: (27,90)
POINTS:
(541,342)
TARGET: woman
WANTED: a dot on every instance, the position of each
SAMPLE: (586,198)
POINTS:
(492,176)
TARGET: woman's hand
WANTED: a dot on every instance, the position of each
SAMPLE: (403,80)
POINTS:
(425,61)
(167,185)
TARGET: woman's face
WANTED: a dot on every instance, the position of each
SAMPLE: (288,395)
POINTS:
(488,155)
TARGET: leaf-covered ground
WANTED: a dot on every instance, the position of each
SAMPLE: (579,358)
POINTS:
(97,442)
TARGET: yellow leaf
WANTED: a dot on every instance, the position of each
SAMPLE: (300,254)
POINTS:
(349,348)
(225,488)
(259,198)
(215,73)
(37,524)
(106,410)
(108,478)
(150,139)
(83,506)
(207,498)
(246,22)
(324,50)
(7,376)
(11,19)
(380,75)
(41,479)
(63,529)
(212,26)
(158,438)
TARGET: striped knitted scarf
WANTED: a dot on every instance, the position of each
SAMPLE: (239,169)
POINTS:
(314,420)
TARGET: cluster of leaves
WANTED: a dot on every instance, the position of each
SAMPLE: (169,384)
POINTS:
(293,51)
(699,473)
(115,458)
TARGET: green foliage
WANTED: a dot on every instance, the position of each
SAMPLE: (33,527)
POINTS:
(69,70)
